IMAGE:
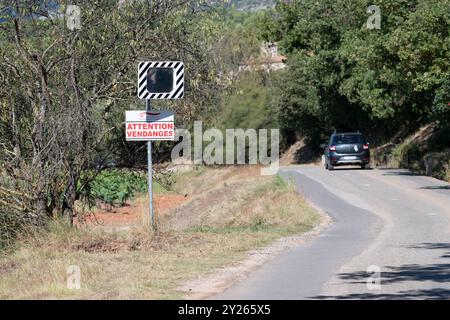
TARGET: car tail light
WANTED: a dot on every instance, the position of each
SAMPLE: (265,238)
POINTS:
(365,146)
(333,148)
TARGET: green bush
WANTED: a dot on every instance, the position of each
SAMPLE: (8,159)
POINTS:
(116,186)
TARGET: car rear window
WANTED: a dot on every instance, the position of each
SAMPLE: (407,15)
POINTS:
(348,139)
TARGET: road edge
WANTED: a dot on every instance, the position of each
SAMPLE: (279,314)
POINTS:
(206,287)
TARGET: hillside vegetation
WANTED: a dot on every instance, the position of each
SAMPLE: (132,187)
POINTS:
(341,75)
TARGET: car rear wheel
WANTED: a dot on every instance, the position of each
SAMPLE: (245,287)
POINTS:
(363,166)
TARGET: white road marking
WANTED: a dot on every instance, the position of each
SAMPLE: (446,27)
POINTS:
(432,213)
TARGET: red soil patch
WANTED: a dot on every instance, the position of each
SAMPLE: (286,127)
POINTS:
(132,213)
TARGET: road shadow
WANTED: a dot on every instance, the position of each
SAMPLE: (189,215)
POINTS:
(438,273)
(431,245)
(405,172)
(345,168)
(439,246)
(431,294)
(410,272)
(398,172)
(436,187)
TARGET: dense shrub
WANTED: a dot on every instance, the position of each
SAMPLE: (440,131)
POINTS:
(116,186)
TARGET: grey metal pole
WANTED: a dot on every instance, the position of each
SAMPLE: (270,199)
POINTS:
(150,169)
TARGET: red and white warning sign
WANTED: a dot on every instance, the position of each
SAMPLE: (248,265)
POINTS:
(149,125)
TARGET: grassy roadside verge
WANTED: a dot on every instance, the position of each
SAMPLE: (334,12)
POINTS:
(230,211)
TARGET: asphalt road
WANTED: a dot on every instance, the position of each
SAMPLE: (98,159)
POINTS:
(384,219)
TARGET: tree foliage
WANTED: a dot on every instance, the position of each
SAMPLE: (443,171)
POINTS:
(63,92)
(247,103)
(345,76)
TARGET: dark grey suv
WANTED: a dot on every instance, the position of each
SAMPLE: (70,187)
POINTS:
(347,149)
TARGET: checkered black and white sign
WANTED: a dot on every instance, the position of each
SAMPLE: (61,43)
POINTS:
(174,79)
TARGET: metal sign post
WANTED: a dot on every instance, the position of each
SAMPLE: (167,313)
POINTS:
(148,107)
(156,80)
(147,125)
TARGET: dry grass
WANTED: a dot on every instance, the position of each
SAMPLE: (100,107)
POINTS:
(238,209)
(425,152)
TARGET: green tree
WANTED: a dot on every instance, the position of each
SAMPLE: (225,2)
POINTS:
(344,76)
(63,92)
(247,104)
